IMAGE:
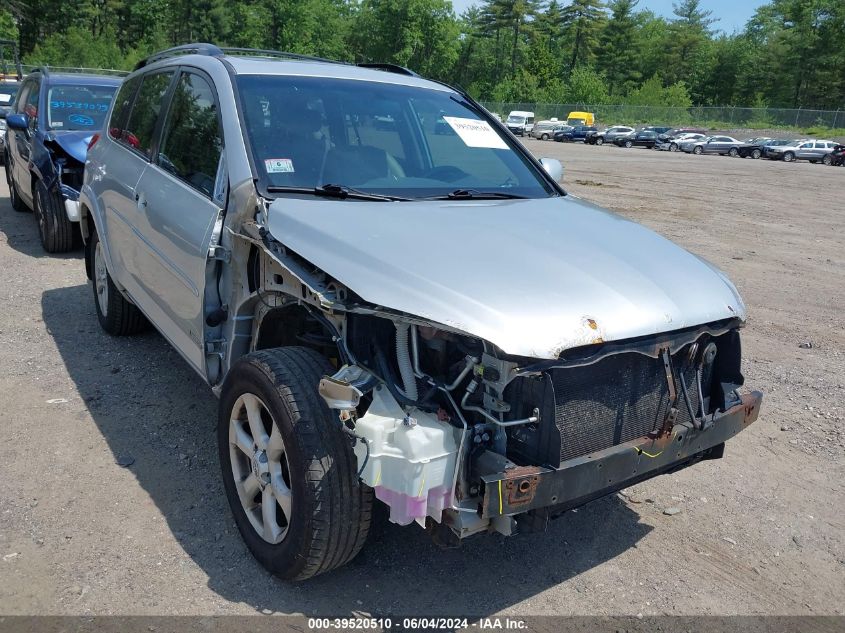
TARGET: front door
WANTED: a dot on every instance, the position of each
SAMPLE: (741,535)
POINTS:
(182,195)
(20,141)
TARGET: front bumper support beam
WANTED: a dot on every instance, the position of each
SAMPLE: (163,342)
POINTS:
(518,489)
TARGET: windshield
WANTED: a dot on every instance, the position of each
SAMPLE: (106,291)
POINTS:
(379,138)
(516,119)
(78,107)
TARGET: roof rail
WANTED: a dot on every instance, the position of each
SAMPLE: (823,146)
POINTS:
(201,48)
(391,68)
(261,52)
(46,70)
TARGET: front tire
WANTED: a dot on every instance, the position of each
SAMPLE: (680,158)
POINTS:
(17,204)
(673,147)
(628,144)
(697,150)
(288,469)
(116,315)
(54,227)
(756,154)
(788,157)
(544,137)
(599,141)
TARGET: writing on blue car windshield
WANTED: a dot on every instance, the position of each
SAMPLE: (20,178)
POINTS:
(373,137)
(78,107)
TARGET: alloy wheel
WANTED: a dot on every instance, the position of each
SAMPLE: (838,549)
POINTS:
(260,468)
(101,279)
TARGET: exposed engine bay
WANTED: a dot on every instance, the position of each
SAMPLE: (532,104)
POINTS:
(459,437)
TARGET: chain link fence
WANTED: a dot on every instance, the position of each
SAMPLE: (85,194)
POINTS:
(716,117)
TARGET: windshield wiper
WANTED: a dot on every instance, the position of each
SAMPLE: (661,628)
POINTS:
(341,192)
(475,194)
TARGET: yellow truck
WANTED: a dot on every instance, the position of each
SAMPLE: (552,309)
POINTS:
(581,118)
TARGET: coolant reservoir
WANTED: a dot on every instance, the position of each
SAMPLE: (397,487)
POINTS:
(411,466)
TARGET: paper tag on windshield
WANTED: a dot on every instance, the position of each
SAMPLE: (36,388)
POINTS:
(4,98)
(475,133)
(278,165)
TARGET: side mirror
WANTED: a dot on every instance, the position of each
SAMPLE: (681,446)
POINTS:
(17,121)
(553,168)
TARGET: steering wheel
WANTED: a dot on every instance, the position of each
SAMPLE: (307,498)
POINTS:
(446,173)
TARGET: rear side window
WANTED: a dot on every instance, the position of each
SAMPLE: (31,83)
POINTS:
(122,105)
(191,145)
(140,127)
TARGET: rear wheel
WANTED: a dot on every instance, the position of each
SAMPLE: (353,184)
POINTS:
(756,153)
(288,468)
(54,227)
(788,157)
(599,141)
(697,149)
(116,315)
(733,153)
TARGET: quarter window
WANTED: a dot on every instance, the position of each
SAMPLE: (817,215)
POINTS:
(140,127)
(192,143)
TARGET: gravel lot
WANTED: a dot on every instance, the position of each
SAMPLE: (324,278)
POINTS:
(761,531)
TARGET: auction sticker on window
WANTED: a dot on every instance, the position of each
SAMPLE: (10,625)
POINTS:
(278,165)
(475,133)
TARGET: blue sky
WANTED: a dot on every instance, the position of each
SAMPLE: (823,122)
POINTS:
(732,14)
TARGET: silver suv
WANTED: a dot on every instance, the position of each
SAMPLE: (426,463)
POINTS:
(395,301)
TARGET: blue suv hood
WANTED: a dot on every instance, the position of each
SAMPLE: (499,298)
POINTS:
(74,142)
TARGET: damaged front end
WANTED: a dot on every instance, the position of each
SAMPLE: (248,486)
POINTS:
(66,155)
(450,431)
(461,436)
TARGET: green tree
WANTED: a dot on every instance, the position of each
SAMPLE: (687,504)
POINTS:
(582,21)
(618,51)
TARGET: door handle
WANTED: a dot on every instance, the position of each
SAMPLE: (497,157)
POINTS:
(140,200)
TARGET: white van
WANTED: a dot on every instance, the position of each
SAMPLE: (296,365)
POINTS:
(520,122)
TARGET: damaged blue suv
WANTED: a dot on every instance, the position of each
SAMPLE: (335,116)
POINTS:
(48,130)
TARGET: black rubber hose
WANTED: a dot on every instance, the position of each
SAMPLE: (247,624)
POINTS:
(388,378)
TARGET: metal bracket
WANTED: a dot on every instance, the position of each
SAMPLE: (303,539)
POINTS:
(216,346)
(219,253)
(672,413)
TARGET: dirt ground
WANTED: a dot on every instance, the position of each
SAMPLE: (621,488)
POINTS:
(761,531)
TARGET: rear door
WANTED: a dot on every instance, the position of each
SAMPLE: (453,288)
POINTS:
(183,192)
(132,136)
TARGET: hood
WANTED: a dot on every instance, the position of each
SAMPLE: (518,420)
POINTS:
(74,142)
(534,277)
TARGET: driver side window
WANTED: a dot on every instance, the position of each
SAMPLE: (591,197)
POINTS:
(31,106)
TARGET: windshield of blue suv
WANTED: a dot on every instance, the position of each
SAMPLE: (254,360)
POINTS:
(379,138)
(78,107)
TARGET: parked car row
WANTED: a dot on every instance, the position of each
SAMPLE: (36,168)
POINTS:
(697,141)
